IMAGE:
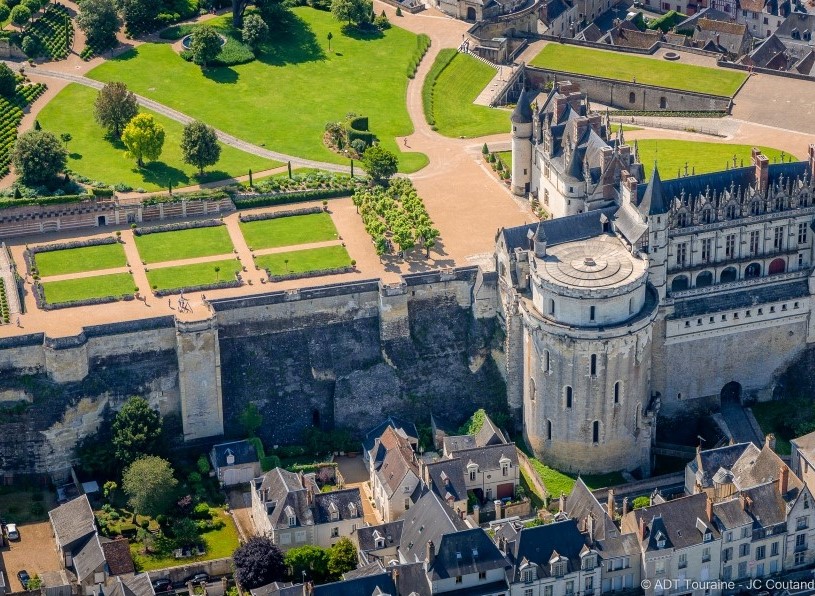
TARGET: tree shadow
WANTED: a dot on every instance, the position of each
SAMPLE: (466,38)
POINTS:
(362,33)
(75,155)
(161,174)
(296,44)
(130,54)
(221,74)
(213,176)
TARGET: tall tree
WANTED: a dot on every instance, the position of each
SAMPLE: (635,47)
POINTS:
(342,558)
(149,485)
(205,45)
(140,15)
(20,15)
(114,107)
(8,81)
(380,163)
(199,145)
(144,138)
(258,562)
(136,430)
(99,20)
(38,157)
(352,11)
(313,560)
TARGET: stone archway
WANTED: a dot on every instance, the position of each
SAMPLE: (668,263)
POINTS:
(777,266)
(731,393)
(471,16)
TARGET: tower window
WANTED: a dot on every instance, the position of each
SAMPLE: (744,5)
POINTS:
(532,389)
(551,306)
(595,432)
(591,313)
(546,363)
(548,430)
(568,393)
(617,392)
(593,365)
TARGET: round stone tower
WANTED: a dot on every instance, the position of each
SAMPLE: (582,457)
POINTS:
(522,145)
(587,352)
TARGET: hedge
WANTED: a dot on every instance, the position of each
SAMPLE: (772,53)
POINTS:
(235,283)
(358,129)
(443,60)
(307,468)
(7,203)
(314,273)
(187,225)
(279,214)
(283,198)
(39,297)
(668,114)
(102,192)
(422,45)
(213,195)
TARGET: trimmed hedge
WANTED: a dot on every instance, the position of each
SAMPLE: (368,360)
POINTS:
(283,198)
(186,225)
(235,283)
(7,203)
(209,195)
(29,252)
(102,192)
(305,274)
(279,214)
(422,45)
(443,60)
(11,114)
(358,129)
(39,297)
(307,468)
(668,114)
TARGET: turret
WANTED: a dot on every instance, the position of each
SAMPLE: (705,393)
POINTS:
(654,209)
(522,144)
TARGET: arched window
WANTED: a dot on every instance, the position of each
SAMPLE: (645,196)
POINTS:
(730,212)
(728,275)
(546,362)
(595,432)
(593,365)
(532,389)
(567,392)
(704,279)
(548,430)
(617,390)
(679,283)
(551,306)
(753,270)
(632,97)
(777,266)
(779,203)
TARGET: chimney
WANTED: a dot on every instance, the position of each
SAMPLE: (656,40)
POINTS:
(769,441)
(709,509)
(625,154)
(395,574)
(762,170)
(590,528)
(744,502)
(560,104)
(642,528)
(625,506)
(607,153)
(811,151)
(499,510)
(579,126)
(561,502)
(430,554)
(309,588)
(628,187)
(309,495)
(610,503)
(595,121)
(783,480)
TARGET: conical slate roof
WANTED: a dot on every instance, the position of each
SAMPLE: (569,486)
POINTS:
(523,109)
(652,201)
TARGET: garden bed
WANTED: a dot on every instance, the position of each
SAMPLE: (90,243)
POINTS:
(312,262)
(75,257)
(289,231)
(279,214)
(183,241)
(195,277)
(11,114)
(85,291)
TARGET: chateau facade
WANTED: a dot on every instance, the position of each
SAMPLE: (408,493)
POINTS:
(643,296)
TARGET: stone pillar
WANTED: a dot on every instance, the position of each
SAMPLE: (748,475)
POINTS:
(393,311)
(199,378)
(66,358)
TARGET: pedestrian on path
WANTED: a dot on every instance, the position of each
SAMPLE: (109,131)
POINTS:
(170,303)
(18,322)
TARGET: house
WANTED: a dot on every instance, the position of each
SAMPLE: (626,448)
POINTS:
(678,540)
(762,17)
(236,462)
(802,458)
(371,442)
(78,544)
(732,39)
(291,510)
(427,521)
(488,434)
(118,557)
(625,34)
(378,543)
(133,585)
(700,470)
(445,477)
(466,562)
(395,480)
(491,472)
(555,559)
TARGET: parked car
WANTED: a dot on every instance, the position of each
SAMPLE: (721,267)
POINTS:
(12,532)
(162,585)
(23,576)
(198,578)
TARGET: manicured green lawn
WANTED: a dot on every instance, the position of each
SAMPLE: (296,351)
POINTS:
(557,482)
(671,156)
(300,261)
(84,288)
(74,260)
(198,274)
(650,71)
(287,231)
(184,244)
(284,99)
(219,544)
(92,154)
(456,88)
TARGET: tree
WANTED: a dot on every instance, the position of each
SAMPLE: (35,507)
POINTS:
(342,558)
(20,15)
(4,11)
(8,81)
(255,30)
(66,138)
(140,15)
(136,430)
(185,533)
(100,21)
(32,5)
(38,157)
(114,107)
(329,37)
(258,562)
(251,419)
(109,488)
(205,45)
(199,144)
(352,11)
(149,485)
(144,138)
(311,559)
(380,163)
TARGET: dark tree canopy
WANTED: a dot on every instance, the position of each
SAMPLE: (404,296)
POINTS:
(140,15)
(8,81)
(352,11)
(149,485)
(20,15)
(99,20)
(4,11)
(380,163)
(38,157)
(258,562)
(199,145)
(205,45)
(115,106)
(136,430)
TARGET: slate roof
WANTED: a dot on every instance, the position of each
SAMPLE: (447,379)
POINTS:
(347,502)
(118,557)
(590,33)
(680,522)
(452,443)
(273,589)
(286,491)
(796,22)
(374,568)
(429,519)
(771,53)
(408,430)
(706,13)
(707,463)
(555,8)
(390,531)
(489,434)
(574,228)
(361,586)
(744,299)
(446,478)
(538,544)
(724,35)
(88,556)
(411,579)
(522,114)
(488,457)
(582,504)
(137,585)
(72,521)
(765,508)
(627,35)
(243,451)
(464,553)
(398,462)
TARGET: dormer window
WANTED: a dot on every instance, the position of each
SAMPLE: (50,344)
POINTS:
(380,543)
(352,509)
(334,512)
(589,562)
(528,575)
(472,469)
(292,521)
(660,540)
(230,458)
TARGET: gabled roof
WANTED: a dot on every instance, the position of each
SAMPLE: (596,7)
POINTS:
(88,557)
(539,544)
(118,557)
(134,585)
(489,434)
(707,463)
(756,467)
(407,428)
(680,523)
(347,504)
(72,521)
(428,520)
(390,532)
(367,585)
(761,507)
(398,462)
(805,445)
(582,505)
(244,452)
(285,494)
(464,553)
(374,568)
(489,457)
(446,478)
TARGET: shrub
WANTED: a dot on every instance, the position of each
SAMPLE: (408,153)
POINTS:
(38,157)
(422,45)
(381,22)
(32,5)
(201,511)
(444,58)
(20,15)
(8,81)
(4,11)
(52,32)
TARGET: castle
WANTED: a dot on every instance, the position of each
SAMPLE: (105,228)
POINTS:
(643,297)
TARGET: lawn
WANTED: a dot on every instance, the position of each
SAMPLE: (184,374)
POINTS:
(284,99)
(92,154)
(74,260)
(287,231)
(456,88)
(672,155)
(786,419)
(21,505)
(184,244)
(300,261)
(650,71)
(198,274)
(84,288)
(219,544)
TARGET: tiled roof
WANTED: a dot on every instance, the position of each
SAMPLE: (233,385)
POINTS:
(347,503)
(752,5)
(681,522)
(706,24)
(761,506)
(72,521)
(428,520)
(753,469)
(244,452)
(399,461)
(465,553)
(374,568)
(118,557)
(582,504)
(408,429)
(390,532)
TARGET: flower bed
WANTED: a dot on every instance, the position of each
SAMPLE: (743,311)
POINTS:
(300,182)
(187,225)
(279,214)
